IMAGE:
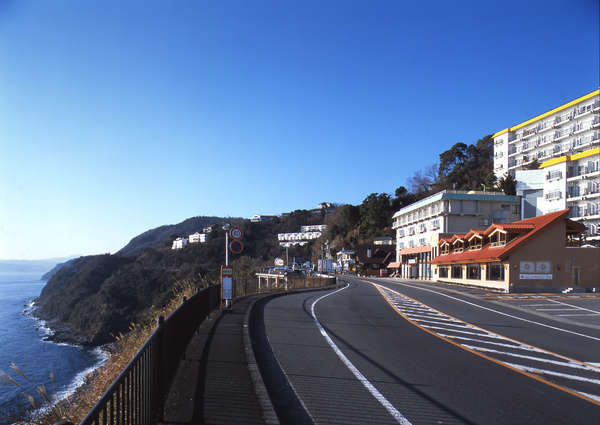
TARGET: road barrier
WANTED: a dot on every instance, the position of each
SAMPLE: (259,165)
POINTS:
(137,393)
(266,282)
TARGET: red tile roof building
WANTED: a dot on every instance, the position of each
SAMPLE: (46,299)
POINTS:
(540,253)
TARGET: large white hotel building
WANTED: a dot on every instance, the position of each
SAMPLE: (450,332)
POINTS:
(560,150)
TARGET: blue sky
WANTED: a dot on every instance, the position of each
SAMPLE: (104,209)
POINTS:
(116,117)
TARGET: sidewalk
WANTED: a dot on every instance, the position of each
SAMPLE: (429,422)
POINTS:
(213,384)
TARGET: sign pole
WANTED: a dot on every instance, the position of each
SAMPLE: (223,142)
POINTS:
(226,248)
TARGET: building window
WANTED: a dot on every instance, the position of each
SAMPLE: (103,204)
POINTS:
(443,271)
(458,246)
(475,243)
(495,271)
(498,239)
(474,271)
(457,272)
(557,194)
(556,174)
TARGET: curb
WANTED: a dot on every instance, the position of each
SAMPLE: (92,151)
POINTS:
(260,389)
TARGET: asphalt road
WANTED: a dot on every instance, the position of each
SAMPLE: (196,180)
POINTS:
(392,352)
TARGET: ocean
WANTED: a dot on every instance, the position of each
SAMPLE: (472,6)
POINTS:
(22,343)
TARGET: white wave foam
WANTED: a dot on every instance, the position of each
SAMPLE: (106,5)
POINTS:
(76,382)
(79,379)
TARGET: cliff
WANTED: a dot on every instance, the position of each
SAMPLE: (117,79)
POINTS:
(92,298)
(46,276)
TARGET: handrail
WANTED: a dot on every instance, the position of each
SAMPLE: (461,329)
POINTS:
(136,394)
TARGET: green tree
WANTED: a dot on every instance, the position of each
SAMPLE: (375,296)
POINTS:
(507,184)
(375,215)
(466,166)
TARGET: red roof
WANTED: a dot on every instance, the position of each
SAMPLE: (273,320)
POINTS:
(527,228)
(474,232)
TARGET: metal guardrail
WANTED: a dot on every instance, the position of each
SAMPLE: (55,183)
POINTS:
(137,393)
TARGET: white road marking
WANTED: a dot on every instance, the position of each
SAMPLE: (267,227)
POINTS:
(576,306)
(399,417)
(458,325)
(424,315)
(552,373)
(578,314)
(592,396)
(518,347)
(463,332)
(555,309)
(537,359)
(535,305)
(500,312)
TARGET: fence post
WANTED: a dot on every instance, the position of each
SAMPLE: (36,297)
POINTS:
(163,357)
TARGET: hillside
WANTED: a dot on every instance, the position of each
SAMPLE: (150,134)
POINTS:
(155,238)
(94,297)
(46,276)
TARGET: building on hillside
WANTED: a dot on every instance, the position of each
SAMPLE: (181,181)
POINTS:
(257,218)
(544,253)
(383,240)
(207,229)
(345,259)
(324,209)
(373,260)
(197,238)
(297,238)
(313,228)
(448,211)
(179,243)
(566,130)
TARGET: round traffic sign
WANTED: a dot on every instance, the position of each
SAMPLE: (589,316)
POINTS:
(236,233)
(236,246)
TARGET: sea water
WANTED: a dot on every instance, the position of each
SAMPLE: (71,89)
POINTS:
(22,342)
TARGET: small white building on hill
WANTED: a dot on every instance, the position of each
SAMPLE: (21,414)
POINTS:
(179,243)
(197,237)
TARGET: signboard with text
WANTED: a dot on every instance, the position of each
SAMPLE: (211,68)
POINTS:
(530,276)
(226,282)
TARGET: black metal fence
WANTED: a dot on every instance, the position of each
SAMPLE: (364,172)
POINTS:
(137,393)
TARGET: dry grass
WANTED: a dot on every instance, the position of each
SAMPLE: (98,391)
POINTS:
(75,407)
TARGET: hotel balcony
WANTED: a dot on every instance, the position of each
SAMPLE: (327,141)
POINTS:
(528,133)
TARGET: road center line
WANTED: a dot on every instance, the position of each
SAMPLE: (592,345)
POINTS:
(498,312)
(399,417)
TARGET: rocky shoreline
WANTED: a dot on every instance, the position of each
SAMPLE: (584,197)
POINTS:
(61,333)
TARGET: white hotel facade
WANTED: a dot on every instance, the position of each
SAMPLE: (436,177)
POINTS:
(565,142)
(420,225)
